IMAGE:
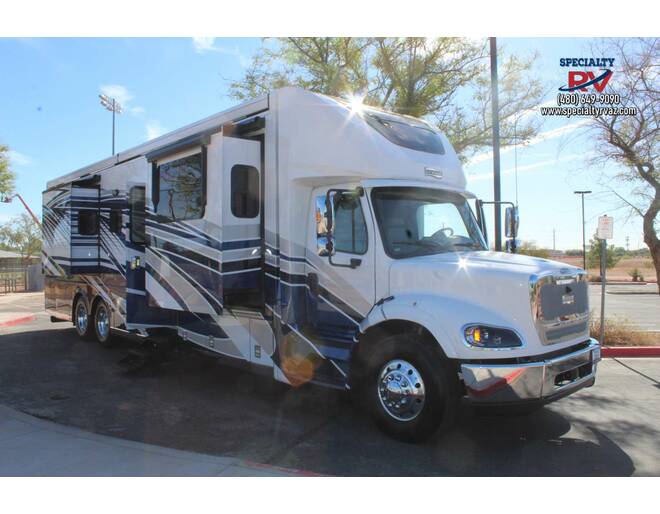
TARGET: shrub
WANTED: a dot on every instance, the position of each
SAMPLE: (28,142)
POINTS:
(636,275)
(619,332)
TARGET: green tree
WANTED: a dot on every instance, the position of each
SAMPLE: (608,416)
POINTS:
(21,234)
(444,80)
(593,255)
(329,65)
(7,176)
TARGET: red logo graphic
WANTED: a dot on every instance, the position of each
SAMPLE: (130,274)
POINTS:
(583,79)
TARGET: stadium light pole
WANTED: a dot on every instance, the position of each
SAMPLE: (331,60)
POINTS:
(584,242)
(114,107)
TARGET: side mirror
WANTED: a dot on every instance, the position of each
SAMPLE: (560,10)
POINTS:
(511,222)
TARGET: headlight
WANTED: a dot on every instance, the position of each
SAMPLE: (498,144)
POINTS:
(483,336)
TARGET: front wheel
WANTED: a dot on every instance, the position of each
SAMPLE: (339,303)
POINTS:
(102,324)
(411,392)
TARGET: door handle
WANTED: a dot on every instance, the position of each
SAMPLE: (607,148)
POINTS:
(313,283)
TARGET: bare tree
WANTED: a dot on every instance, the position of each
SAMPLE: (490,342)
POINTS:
(632,140)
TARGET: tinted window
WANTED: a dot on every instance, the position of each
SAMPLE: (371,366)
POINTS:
(405,132)
(419,221)
(88,223)
(115,221)
(244,191)
(136,205)
(179,188)
(349,228)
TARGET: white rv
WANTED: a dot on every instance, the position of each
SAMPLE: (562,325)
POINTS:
(320,242)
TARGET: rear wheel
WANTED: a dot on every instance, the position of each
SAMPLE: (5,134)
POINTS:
(410,391)
(102,324)
(81,319)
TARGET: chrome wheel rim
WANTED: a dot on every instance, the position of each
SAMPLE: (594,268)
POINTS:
(401,390)
(81,318)
(102,322)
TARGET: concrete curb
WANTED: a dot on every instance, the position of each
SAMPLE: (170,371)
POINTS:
(18,321)
(630,351)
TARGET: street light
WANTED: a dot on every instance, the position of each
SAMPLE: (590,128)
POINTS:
(496,143)
(114,107)
(584,244)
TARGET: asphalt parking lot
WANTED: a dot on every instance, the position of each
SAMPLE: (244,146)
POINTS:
(635,305)
(197,404)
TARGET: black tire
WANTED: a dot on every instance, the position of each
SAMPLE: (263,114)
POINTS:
(82,320)
(102,315)
(440,404)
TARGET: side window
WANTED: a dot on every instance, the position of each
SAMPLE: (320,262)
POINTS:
(137,214)
(349,228)
(179,189)
(115,221)
(88,223)
(244,191)
(321,221)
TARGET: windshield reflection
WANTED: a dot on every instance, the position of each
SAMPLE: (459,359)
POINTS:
(421,221)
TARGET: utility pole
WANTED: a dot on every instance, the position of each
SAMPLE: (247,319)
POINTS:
(114,107)
(584,241)
(496,143)
(554,247)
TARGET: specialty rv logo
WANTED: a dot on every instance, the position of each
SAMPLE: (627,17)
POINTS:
(581,80)
(584,92)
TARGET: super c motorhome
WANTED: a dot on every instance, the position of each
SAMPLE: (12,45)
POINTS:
(322,242)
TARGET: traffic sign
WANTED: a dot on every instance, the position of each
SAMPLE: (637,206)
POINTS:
(605,227)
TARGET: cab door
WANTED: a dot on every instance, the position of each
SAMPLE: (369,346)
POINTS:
(340,275)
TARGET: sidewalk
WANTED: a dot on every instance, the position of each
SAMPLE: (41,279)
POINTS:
(17,308)
(34,447)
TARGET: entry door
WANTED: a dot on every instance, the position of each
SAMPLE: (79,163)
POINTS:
(242,241)
(139,314)
(340,286)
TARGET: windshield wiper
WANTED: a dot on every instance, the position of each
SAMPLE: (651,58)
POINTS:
(469,245)
(421,242)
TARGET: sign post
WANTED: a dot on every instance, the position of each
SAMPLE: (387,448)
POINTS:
(605,231)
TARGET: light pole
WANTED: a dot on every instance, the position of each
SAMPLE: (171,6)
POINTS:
(496,143)
(584,243)
(114,107)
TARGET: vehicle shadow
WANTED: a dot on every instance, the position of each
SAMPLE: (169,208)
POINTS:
(195,403)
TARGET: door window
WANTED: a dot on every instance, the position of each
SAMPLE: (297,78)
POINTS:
(115,221)
(349,229)
(137,214)
(244,191)
(88,223)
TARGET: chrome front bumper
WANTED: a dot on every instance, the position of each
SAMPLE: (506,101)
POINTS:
(544,380)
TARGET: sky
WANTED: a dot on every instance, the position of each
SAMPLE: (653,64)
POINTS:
(51,119)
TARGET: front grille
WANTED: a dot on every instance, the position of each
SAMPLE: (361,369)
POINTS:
(560,306)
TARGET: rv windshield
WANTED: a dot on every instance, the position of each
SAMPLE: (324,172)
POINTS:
(420,221)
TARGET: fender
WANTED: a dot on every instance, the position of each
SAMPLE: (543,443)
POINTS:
(443,316)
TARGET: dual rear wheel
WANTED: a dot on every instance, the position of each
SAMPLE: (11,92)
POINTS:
(93,325)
